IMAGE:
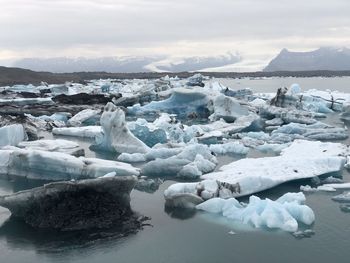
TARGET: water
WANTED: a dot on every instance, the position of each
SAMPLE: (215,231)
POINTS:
(272,84)
(184,236)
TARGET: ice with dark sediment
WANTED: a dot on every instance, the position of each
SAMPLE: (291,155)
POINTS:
(100,203)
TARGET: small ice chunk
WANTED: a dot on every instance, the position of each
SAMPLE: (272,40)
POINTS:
(132,157)
(284,213)
(12,135)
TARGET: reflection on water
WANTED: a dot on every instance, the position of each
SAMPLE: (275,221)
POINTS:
(180,213)
(20,235)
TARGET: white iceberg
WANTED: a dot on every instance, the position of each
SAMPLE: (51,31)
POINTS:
(63,146)
(82,132)
(83,117)
(227,108)
(26,101)
(181,102)
(303,159)
(316,131)
(229,147)
(344,197)
(284,213)
(12,135)
(37,164)
(116,135)
(191,162)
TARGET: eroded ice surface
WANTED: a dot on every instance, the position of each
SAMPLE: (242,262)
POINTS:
(284,213)
(116,135)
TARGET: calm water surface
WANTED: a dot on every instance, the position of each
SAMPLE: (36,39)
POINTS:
(185,236)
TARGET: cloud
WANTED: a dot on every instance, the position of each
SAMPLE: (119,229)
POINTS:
(254,28)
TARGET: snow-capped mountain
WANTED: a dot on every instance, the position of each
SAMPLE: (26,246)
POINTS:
(325,58)
(127,64)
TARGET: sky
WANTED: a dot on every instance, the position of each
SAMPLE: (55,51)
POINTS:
(255,29)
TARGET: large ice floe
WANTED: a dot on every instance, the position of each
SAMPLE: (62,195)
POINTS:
(284,213)
(301,160)
(55,166)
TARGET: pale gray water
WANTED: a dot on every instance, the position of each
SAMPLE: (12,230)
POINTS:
(272,84)
(180,236)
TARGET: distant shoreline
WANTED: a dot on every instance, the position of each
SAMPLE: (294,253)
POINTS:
(16,76)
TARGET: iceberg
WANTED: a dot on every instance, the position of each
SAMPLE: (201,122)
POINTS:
(195,80)
(229,147)
(26,101)
(182,102)
(62,146)
(116,135)
(132,157)
(344,197)
(100,203)
(148,136)
(191,162)
(83,132)
(298,161)
(316,131)
(289,115)
(228,109)
(284,213)
(12,134)
(56,166)
(84,117)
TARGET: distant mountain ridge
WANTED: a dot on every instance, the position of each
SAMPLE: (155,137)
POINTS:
(13,76)
(325,58)
(126,64)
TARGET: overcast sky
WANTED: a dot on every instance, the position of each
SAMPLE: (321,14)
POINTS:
(256,29)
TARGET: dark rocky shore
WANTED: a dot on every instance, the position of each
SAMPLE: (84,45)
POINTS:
(13,76)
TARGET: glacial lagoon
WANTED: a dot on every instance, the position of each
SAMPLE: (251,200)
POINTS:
(180,235)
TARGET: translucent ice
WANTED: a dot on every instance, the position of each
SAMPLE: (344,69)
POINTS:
(12,135)
(284,213)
